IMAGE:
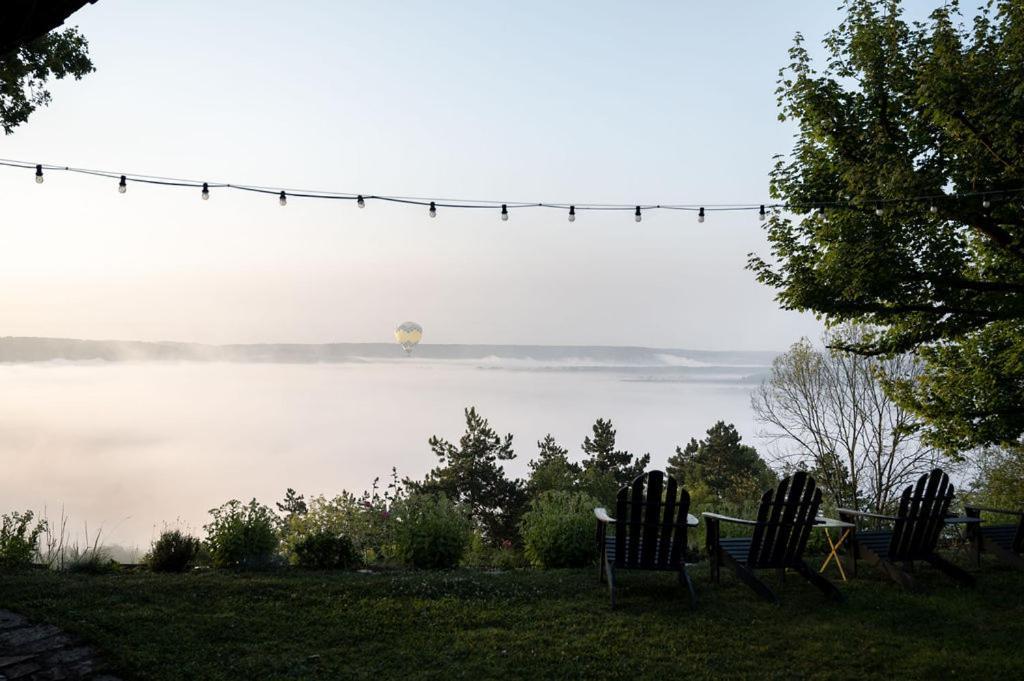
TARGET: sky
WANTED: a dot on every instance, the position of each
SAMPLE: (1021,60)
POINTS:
(653,102)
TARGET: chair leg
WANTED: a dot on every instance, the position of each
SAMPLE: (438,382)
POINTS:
(824,585)
(684,578)
(750,579)
(952,571)
(610,572)
(1001,553)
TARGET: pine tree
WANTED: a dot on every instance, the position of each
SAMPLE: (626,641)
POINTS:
(471,474)
(730,470)
(606,469)
(552,470)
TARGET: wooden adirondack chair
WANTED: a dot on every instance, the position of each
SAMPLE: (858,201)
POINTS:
(650,532)
(1006,542)
(923,509)
(783,524)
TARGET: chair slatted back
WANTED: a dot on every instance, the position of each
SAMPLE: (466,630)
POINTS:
(921,516)
(651,529)
(784,521)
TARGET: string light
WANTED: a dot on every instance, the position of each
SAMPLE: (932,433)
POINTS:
(282,199)
(931,202)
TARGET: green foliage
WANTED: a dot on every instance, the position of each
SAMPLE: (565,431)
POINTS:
(19,539)
(559,529)
(605,468)
(552,470)
(173,551)
(729,470)
(242,535)
(431,531)
(470,474)
(25,72)
(92,561)
(895,110)
(366,521)
(1000,480)
(325,551)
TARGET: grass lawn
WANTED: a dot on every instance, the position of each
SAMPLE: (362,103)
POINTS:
(526,624)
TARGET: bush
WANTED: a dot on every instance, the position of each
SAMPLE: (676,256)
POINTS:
(559,530)
(242,535)
(18,543)
(325,551)
(91,561)
(364,522)
(431,531)
(174,551)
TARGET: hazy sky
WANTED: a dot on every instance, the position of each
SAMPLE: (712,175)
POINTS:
(581,102)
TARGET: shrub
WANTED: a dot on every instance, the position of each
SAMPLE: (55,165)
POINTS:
(19,542)
(174,551)
(364,522)
(559,529)
(242,535)
(431,531)
(325,551)
(91,561)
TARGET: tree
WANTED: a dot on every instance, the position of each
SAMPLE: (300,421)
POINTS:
(828,411)
(605,468)
(552,470)
(293,505)
(730,470)
(1000,479)
(30,55)
(894,128)
(470,473)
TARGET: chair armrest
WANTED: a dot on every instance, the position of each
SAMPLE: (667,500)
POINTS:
(987,509)
(729,519)
(863,514)
(602,516)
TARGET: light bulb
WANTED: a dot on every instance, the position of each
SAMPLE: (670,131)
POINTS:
(122,186)
(700,215)
(282,199)
(761,215)
(360,202)
(504,212)
(39,174)
(986,203)
(934,208)
(572,213)
(433,210)
(879,211)
(206,192)
(637,216)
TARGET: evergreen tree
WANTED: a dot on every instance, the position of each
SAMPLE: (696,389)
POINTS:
(730,470)
(471,474)
(605,468)
(552,470)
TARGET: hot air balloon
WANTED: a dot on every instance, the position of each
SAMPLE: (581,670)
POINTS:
(408,334)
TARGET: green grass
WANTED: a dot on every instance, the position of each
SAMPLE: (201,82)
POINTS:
(526,624)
